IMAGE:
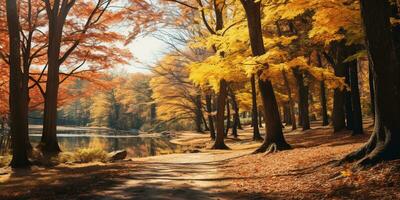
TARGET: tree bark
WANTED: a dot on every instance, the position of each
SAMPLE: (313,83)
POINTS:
(153,113)
(287,114)
(210,116)
(199,114)
(338,115)
(385,140)
(303,99)
(291,101)
(355,99)
(348,105)
(371,89)
(274,139)
(206,128)
(18,91)
(228,117)
(236,117)
(254,110)
(219,140)
(239,122)
(219,23)
(56,17)
(395,13)
(324,107)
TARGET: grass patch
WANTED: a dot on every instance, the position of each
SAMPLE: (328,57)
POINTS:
(5,160)
(86,155)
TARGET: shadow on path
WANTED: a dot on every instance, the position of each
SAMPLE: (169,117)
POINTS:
(179,176)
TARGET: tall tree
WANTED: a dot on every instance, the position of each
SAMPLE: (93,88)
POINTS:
(338,115)
(57,12)
(17,91)
(75,43)
(274,139)
(385,140)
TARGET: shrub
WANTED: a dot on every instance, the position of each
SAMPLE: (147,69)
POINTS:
(5,160)
(90,155)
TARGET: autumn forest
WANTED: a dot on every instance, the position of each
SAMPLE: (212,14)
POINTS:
(241,99)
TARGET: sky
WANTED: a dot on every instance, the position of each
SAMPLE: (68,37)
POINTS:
(147,50)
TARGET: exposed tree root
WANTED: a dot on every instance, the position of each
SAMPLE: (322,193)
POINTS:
(258,138)
(268,148)
(220,146)
(20,164)
(372,153)
(271,149)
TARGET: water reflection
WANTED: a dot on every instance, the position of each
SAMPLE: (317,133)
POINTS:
(136,146)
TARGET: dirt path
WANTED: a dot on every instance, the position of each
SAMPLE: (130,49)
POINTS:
(179,176)
(176,176)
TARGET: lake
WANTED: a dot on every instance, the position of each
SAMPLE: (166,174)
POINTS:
(71,139)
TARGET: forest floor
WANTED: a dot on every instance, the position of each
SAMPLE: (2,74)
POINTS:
(306,172)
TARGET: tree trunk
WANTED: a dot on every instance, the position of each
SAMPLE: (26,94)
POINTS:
(236,117)
(206,128)
(210,116)
(228,117)
(199,114)
(18,91)
(371,89)
(260,119)
(56,17)
(219,140)
(355,99)
(338,116)
(348,105)
(49,143)
(287,114)
(274,139)
(153,113)
(239,122)
(395,13)
(291,101)
(300,117)
(324,107)
(254,110)
(303,99)
(385,140)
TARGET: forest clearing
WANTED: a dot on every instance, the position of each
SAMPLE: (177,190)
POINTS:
(199,99)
